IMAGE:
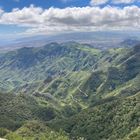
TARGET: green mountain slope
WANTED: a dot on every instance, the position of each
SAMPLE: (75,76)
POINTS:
(114,119)
(73,88)
(28,65)
(36,130)
(16,109)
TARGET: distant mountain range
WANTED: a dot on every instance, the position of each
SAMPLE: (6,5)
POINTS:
(103,40)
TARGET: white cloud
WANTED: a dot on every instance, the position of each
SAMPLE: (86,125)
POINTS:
(98,2)
(55,20)
(123,1)
(26,16)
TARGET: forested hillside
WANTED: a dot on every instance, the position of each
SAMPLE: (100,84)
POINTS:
(70,91)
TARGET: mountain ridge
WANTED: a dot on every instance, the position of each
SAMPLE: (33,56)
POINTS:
(71,87)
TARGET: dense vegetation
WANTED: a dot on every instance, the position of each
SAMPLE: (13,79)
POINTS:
(112,120)
(36,131)
(70,91)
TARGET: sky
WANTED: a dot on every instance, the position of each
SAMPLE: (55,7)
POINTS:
(49,17)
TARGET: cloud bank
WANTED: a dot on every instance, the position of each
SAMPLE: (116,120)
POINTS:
(55,20)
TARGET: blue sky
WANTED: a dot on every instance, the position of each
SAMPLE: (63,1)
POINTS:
(33,17)
(8,5)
